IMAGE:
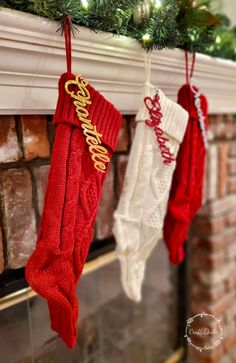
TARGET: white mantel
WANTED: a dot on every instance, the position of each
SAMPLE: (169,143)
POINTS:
(32,57)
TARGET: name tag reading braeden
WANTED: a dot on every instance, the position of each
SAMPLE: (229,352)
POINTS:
(93,137)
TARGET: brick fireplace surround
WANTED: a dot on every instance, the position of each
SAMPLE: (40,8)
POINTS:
(25,145)
(28,89)
(212,257)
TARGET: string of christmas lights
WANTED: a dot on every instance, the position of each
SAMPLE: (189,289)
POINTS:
(156,24)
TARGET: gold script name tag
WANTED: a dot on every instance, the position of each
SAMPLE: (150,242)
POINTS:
(93,137)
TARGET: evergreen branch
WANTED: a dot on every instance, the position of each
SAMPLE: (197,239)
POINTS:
(177,23)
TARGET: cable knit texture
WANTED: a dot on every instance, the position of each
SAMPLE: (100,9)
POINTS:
(71,201)
(142,205)
(186,191)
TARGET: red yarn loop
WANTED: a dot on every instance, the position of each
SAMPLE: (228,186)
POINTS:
(67,33)
(189,76)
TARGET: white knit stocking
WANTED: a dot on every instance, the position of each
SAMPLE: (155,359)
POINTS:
(142,205)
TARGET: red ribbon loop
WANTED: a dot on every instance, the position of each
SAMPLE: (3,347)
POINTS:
(189,76)
(67,33)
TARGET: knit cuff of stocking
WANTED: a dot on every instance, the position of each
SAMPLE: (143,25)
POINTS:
(101,113)
(174,118)
(186,96)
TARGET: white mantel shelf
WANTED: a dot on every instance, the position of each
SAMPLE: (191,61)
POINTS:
(32,57)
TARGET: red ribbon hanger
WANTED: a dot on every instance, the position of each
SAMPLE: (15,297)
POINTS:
(67,33)
(189,76)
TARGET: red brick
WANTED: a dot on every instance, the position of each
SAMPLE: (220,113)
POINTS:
(123,137)
(232,184)
(232,165)
(211,127)
(212,120)
(223,304)
(231,218)
(230,314)
(216,126)
(121,169)
(232,149)
(217,308)
(229,336)
(233,355)
(204,186)
(211,356)
(195,279)
(221,206)
(35,141)
(104,221)
(217,242)
(229,126)
(41,176)
(207,261)
(19,216)
(230,251)
(212,172)
(220,126)
(230,282)
(223,151)
(9,149)
(1,253)
(205,225)
(132,126)
(204,210)
(216,276)
(210,293)
(198,305)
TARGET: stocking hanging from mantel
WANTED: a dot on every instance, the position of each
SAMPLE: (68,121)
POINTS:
(187,185)
(87,127)
(160,128)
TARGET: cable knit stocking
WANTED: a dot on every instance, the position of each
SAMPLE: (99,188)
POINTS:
(186,190)
(140,213)
(87,127)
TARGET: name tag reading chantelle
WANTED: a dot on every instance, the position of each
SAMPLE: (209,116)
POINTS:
(93,137)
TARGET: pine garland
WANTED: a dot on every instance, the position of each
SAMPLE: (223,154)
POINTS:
(156,24)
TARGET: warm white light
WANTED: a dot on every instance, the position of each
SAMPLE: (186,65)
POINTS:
(146,37)
(157,3)
(218,39)
(84,3)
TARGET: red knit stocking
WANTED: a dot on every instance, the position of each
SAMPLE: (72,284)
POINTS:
(108,121)
(50,270)
(73,193)
(186,191)
(91,186)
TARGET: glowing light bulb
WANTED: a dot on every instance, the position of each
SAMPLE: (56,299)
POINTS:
(218,39)
(146,37)
(157,3)
(84,3)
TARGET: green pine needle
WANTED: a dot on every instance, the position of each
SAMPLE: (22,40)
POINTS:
(188,24)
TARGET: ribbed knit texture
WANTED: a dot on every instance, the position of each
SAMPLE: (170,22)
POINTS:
(71,201)
(142,205)
(186,190)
